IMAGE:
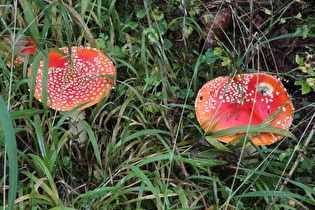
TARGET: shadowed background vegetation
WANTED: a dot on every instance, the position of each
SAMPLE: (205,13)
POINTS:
(146,149)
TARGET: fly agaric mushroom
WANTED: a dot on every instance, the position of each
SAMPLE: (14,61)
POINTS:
(247,99)
(24,45)
(84,76)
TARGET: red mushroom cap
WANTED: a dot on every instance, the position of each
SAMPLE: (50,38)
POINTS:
(246,99)
(75,79)
(30,47)
(24,45)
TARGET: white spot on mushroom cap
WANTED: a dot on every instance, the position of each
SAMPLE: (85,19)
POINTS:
(238,92)
(77,83)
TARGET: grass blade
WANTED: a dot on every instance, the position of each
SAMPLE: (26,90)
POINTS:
(11,150)
(93,140)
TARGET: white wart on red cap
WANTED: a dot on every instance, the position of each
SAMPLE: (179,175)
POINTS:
(72,80)
(246,99)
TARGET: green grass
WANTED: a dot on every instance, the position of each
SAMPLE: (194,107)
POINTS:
(145,147)
(11,152)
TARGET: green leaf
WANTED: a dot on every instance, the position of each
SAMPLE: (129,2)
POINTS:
(140,14)
(305,86)
(141,133)
(226,61)
(25,113)
(310,81)
(186,93)
(93,141)
(217,144)
(157,14)
(152,80)
(311,71)
(298,16)
(11,150)
(218,51)
(49,188)
(201,163)
(151,34)
(211,56)
(285,154)
(147,182)
(267,11)
(299,60)
(30,17)
(132,24)
(304,30)
(167,44)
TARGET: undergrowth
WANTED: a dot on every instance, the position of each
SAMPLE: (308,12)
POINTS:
(146,149)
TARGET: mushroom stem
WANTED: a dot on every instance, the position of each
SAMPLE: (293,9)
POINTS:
(78,131)
(246,152)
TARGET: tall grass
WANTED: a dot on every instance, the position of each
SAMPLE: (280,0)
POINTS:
(10,158)
(145,148)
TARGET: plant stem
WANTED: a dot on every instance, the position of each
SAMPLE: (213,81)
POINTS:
(78,131)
